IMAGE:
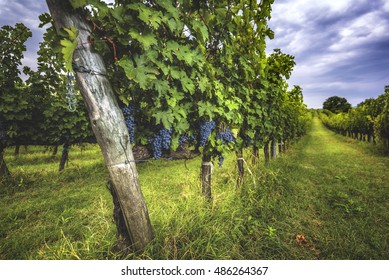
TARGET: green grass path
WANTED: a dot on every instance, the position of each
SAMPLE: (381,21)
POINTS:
(341,200)
(328,190)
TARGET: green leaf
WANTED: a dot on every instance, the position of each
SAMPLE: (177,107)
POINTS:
(147,15)
(68,47)
(174,12)
(203,83)
(146,40)
(201,29)
(117,13)
(161,86)
(142,73)
(175,72)
(45,18)
(164,117)
(172,102)
(187,85)
(205,109)
(174,143)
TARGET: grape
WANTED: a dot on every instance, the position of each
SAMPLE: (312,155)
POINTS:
(205,130)
(160,140)
(166,136)
(129,118)
(226,136)
(156,145)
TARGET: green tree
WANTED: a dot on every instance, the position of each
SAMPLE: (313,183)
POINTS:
(52,122)
(337,104)
(13,105)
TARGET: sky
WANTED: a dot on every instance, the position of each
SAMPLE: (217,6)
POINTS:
(341,47)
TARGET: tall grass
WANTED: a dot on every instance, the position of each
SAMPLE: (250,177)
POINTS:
(325,198)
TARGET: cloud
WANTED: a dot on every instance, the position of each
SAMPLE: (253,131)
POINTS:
(340,47)
(27,12)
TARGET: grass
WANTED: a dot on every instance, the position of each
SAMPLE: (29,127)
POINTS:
(326,198)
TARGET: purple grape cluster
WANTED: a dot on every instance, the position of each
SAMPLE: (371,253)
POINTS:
(160,140)
(129,118)
(205,130)
(226,136)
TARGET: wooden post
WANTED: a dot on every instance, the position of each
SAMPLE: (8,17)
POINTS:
(240,163)
(280,147)
(55,151)
(266,153)
(107,123)
(4,172)
(206,176)
(17,150)
(65,155)
(255,155)
(273,148)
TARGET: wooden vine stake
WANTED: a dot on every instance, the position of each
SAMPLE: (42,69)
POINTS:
(273,148)
(206,175)
(108,126)
(4,172)
(240,162)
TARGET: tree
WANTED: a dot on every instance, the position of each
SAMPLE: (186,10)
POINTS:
(337,104)
(52,120)
(12,103)
(108,125)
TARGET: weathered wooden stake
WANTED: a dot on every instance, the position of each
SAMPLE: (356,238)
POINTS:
(107,123)
(64,156)
(4,172)
(266,152)
(240,162)
(55,151)
(206,176)
(17,150)
(273,148)
(255,155)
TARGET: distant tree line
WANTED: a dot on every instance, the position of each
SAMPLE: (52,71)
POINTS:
(369,121)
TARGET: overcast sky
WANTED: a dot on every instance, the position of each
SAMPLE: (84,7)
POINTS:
(341,47)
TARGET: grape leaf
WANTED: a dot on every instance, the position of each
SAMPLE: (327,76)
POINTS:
(146,40)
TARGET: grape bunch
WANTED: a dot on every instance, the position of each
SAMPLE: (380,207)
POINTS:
(226,136)
(205,130)
(129,118)
(160,140)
